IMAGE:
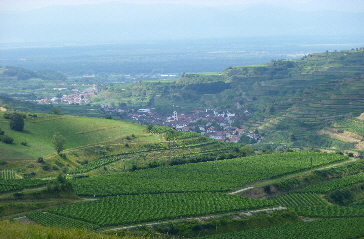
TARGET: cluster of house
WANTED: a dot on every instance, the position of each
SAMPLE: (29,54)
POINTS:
(216,124)
(78,97)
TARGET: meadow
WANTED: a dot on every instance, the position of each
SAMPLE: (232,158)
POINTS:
(78,131)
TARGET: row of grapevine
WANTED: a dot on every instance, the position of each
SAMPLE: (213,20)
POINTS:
(321,229)
(128,209)
(6,188)
(52,220)
(335,184)
(113,158)
(17,184)
(352,125)
(210,176)
(299,200)
(159,129)
(174,135)
(7,174)
(331,211)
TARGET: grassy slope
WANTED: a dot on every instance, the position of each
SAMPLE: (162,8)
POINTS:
(78,131)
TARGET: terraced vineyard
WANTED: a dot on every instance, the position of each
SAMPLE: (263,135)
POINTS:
(185,147)
(335,184)
(352,124)
(212,176)
(127,209)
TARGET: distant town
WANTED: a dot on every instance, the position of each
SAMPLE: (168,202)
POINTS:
(78,96)
(216,124)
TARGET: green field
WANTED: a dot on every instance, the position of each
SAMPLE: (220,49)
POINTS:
(78,131)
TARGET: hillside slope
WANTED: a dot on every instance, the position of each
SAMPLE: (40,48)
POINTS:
(290,99)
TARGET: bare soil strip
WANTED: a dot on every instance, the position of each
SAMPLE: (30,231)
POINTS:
(204,218)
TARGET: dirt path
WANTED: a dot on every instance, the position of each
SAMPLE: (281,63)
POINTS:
(241,190)
(204,218)
(269,181)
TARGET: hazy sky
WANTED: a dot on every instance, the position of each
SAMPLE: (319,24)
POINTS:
(306,5)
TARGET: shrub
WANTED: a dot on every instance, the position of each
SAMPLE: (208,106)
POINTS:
(341,196)
(46,167)
(60,185)
(30,175)
(40,160)
(267,189)
(17,122)
(18,194)
(6,139)
(7,116)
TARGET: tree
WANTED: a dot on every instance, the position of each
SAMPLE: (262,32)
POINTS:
(56,111)
(17,122)
(58,142)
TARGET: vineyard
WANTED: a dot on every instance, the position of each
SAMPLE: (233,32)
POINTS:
(52,220)
(128,209)
(191,190)
(299,200)
(223,175)
(16,184)
(335,184)
(102,161)
(331,211)
(323,229)
(353,125)
(7,174)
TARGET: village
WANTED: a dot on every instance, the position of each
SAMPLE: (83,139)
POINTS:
(78,96)
(217,124)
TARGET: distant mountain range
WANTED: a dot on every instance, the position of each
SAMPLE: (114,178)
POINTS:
(119,22)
